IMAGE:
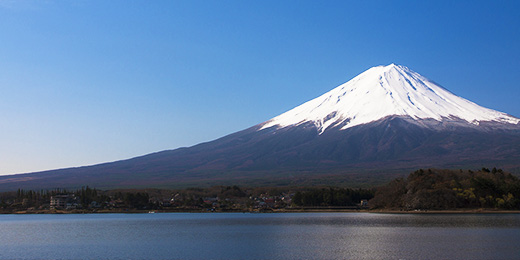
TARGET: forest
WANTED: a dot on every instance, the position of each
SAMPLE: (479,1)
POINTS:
(437,189)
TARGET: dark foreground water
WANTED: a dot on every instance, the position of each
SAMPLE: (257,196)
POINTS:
(260,236)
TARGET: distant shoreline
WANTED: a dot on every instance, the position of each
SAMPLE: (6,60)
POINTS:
(451,211)
(397,211)
(295,210)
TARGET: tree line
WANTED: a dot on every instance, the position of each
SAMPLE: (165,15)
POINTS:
(438,189)
(428,189)
(220,198)
(327,197)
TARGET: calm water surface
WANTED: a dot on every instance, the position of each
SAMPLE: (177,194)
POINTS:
(260,236)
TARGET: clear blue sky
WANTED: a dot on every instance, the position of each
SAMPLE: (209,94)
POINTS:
(85,82)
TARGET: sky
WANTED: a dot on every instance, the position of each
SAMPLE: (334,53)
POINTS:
(86,82)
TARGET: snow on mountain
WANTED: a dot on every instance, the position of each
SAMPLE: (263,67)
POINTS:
(384,91)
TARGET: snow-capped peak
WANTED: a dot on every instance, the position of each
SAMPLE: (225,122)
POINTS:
(384,91)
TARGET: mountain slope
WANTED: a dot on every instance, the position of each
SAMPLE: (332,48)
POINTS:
(386,121)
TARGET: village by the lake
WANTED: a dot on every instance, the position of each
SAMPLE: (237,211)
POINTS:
(485,190)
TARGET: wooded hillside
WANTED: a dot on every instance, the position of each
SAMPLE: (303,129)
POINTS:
(450,189)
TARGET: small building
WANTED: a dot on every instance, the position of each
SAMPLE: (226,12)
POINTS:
(95,204)
(63,201)
(269,202)
(211,200)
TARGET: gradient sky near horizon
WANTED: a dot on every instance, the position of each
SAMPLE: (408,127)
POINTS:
(86,82)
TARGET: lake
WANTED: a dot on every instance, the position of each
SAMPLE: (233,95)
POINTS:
(260,236)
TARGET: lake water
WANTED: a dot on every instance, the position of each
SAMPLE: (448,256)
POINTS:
(260,236)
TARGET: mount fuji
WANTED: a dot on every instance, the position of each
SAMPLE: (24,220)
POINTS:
(383,123)
(384,91)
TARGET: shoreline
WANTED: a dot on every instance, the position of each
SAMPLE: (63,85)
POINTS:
(293,210)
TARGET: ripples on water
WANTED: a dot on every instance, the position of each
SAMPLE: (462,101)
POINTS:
(260,236)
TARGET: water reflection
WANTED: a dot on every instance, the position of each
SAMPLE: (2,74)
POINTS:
(260,236)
